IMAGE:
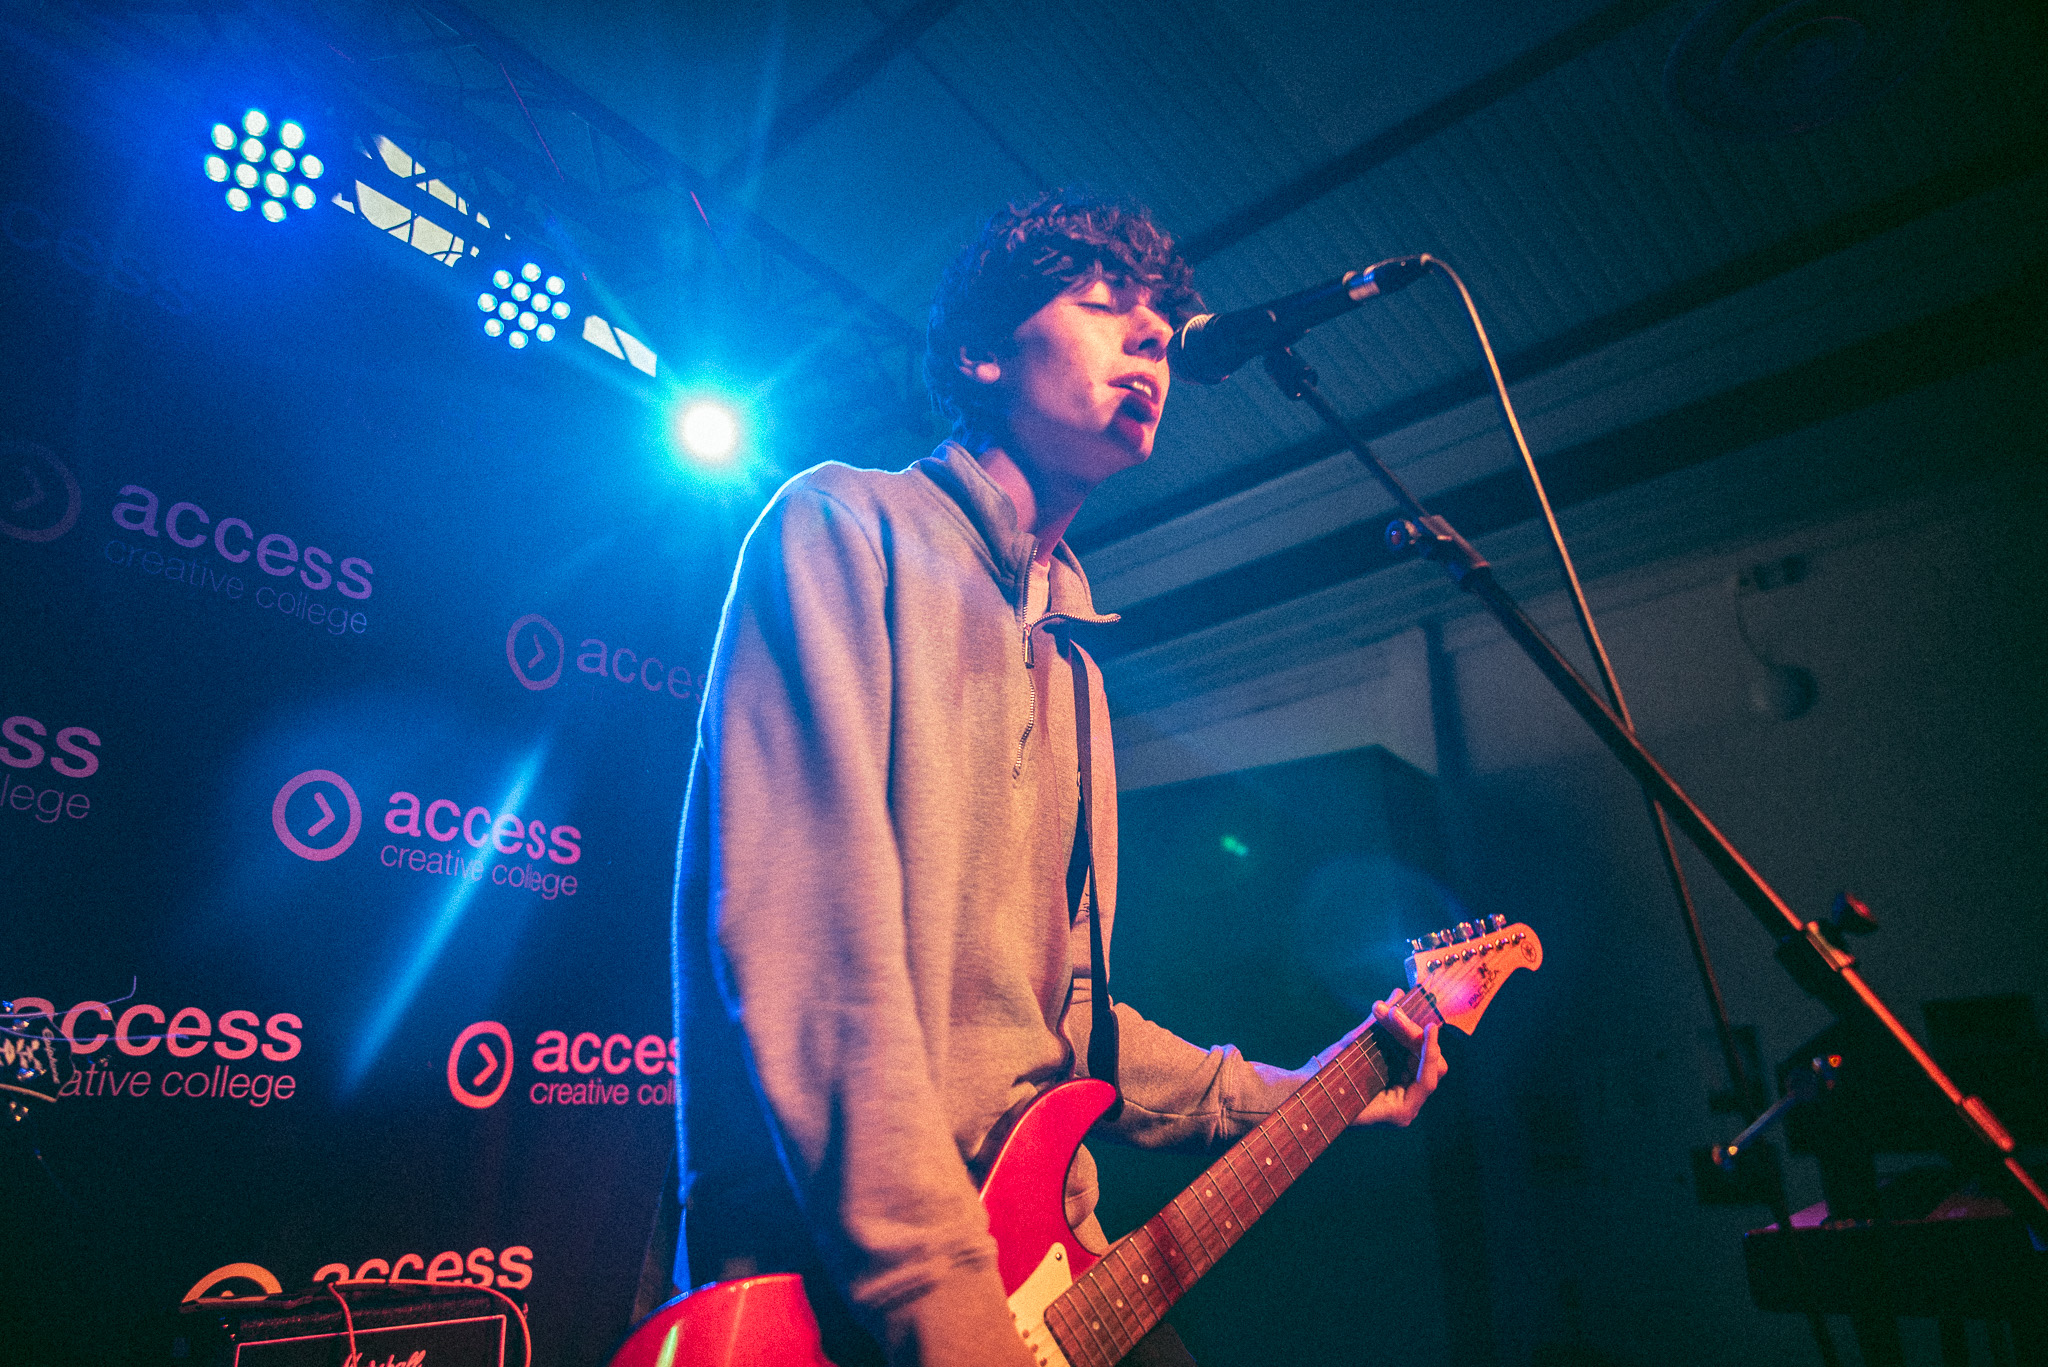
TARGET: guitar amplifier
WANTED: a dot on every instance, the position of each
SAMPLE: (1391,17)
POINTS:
(384,1326)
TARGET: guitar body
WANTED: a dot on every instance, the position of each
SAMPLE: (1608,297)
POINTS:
(1025,1195)
(1102,1305)
(752,1322)
(767,1321)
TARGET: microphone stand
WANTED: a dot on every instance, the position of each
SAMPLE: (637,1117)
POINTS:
(1816,962)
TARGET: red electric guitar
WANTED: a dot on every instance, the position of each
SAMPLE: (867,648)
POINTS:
(1075,1309)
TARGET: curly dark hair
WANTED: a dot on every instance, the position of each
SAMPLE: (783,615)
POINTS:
(1026,256)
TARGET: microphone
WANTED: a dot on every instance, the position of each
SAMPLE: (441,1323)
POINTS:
(1211,345)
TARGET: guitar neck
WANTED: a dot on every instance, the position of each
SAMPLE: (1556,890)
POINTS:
(1114,1304)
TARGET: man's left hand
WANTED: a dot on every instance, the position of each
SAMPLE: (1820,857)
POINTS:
(1402,1099)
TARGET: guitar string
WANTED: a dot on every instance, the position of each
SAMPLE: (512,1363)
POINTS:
(1152,1304)
(1409,1003)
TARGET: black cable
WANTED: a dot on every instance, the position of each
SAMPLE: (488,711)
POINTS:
(1745,1097)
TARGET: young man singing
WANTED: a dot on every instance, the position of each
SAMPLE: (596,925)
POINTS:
(882,912)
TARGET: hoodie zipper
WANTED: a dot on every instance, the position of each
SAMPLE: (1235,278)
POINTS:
(1030,689)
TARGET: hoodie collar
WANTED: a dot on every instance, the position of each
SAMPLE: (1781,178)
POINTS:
(953,468)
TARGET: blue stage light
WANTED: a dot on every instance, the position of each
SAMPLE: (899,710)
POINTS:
(519,308)
(710,432)
(263,165)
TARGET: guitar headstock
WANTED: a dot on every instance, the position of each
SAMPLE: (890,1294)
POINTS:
(1462,966)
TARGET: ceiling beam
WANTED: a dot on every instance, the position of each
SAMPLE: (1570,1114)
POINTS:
(1411,132)
(1995,327)
(2025,157)
(836,88)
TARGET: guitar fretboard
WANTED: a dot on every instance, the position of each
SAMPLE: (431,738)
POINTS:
(1113,1305)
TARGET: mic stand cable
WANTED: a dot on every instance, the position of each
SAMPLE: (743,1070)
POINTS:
(1746,1093)
(1816,963)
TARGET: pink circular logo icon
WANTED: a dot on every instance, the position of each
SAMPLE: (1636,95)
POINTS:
(487,1067)
(323,816)
(39,497)
(532,642)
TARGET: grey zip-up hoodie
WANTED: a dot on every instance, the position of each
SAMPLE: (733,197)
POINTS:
(871,902)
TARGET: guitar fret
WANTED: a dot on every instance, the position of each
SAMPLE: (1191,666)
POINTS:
(1289,1125)
(1129,1296)
(1301,1148)
(1337,1112)
(1100,1323)
(1291,1170)
(1069,1322)
(1294,1167)
(1192,1245)
(1366,1051)
(1317,1121)
(1348,1085)
(1248,1148)
(1152,1288)
(1250,1196)
(1213,1242)
(1168,1256)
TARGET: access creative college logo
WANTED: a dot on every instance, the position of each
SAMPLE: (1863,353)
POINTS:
(537,652)
(316,783)
(317,816)
(133,1051)
(70,752)
(509,1268)
(207,554)
(587,1068)
(39,496)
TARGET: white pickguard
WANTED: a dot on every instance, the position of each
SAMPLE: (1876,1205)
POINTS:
(1028,1302)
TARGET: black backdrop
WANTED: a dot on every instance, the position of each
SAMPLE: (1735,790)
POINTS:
(292,1004)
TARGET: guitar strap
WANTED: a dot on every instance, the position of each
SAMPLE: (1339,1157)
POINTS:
(1102,1030)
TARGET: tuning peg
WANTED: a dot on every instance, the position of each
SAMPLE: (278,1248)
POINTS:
(1497,921)
(1462,932)
(1416,946)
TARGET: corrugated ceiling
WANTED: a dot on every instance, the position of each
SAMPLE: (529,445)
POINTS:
(1627,260)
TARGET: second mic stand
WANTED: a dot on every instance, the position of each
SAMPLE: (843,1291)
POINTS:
(1816,963)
